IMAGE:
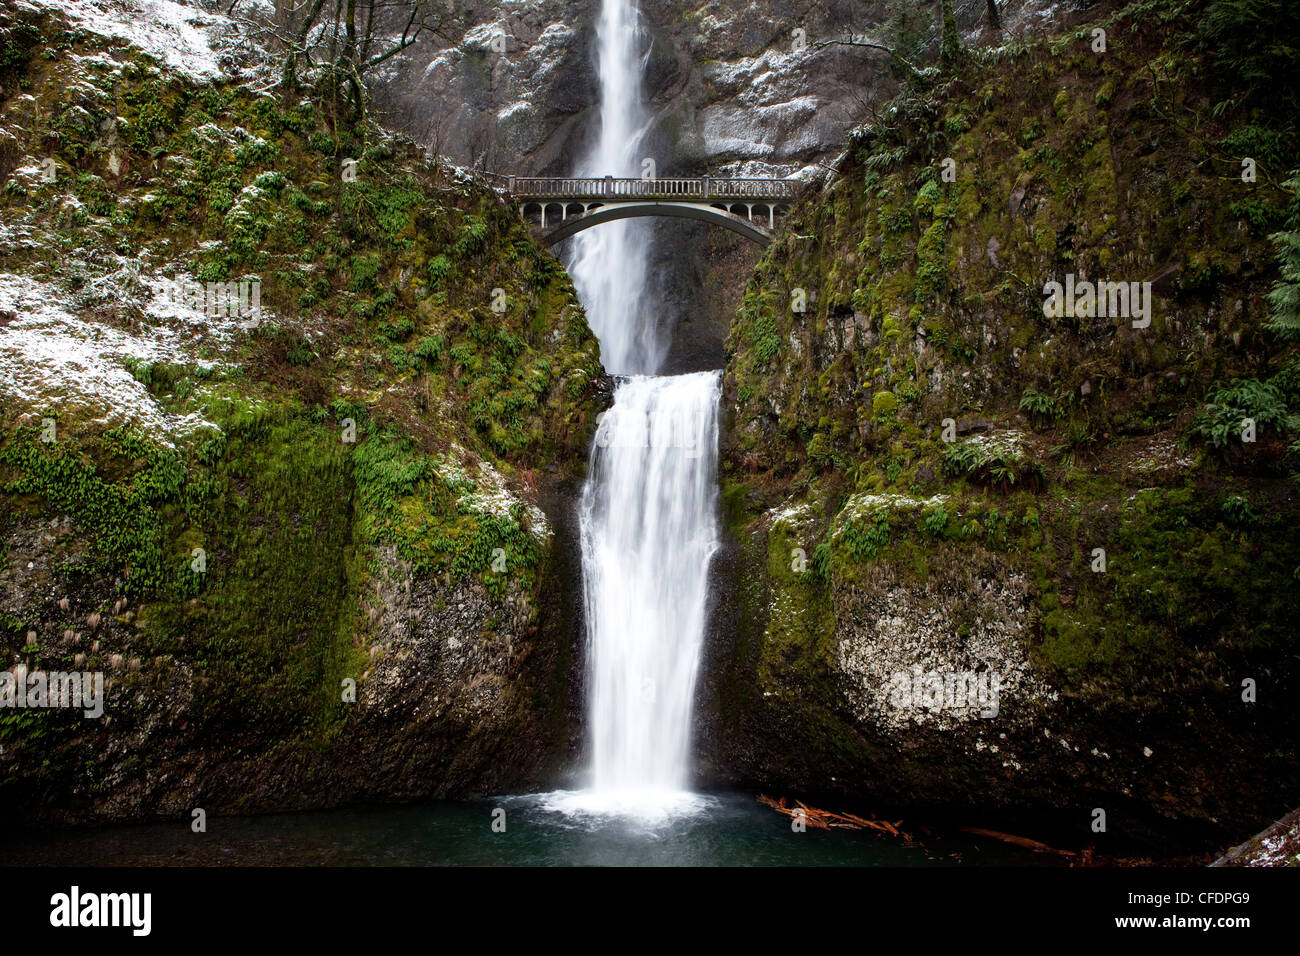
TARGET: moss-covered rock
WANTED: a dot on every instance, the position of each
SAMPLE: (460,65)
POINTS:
(980,488)
(305,542)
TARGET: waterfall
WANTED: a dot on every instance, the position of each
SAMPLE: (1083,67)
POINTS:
(649,530)
(648,520)
(609,263)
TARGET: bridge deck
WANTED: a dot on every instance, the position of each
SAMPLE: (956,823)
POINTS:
(615,189)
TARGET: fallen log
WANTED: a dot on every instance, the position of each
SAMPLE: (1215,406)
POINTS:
(1018,841)
(827,819)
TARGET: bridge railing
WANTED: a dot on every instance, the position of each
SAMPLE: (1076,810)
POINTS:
(753,188)
(616,188)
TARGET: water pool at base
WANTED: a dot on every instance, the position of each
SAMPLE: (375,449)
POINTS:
(555,829)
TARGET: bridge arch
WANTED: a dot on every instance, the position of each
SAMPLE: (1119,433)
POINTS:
(631,210)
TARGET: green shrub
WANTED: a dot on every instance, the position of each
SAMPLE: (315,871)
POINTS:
(927,198)
(763,337)
(865,539)
(1237,511)
(397,331)
(429,348)
(471,237)
(1231,405)
(364,270)
(935,522)
(1041,406)
(124,516)
(1268,147)
(991,461)
(438,268)
(1232,32)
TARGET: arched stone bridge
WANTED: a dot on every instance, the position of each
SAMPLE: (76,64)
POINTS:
(558,208)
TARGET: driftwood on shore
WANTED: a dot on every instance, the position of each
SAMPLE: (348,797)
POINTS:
(829,820)
(1018,841)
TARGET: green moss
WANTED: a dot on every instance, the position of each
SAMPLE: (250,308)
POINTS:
(927,198)
(419,503)
(393,274)
(883,404)
(1183,573)
(1105,93)
(931,267)
(121,503)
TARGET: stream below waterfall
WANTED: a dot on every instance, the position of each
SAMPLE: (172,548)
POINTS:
(725,829)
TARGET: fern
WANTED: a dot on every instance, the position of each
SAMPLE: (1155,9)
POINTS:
(885,160)
(1285,295)
(1039,404)
(935,523)
(1230,406)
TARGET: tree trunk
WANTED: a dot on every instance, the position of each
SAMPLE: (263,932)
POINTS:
(350,24)
(347,66)
(290,74)
(995,21)
(950,48)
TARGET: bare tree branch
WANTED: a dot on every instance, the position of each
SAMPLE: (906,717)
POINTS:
(894,55)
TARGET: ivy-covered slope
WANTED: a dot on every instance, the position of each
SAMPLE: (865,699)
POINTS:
(927,475)
(235,515)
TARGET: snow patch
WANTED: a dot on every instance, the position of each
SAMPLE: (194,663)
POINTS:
(180,35)
(488,492)
(51,359)
(793,514)
(865,504)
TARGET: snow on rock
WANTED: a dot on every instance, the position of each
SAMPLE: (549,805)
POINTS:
(1162,454)
(488,492)
(1279,845)
(792,513)
(181,35)
(52,360)
(912,654)
(864,505)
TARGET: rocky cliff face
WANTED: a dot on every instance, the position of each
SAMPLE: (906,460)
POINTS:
(935,483)
(985,559)
(729,83)
(311,529)
(736,89)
